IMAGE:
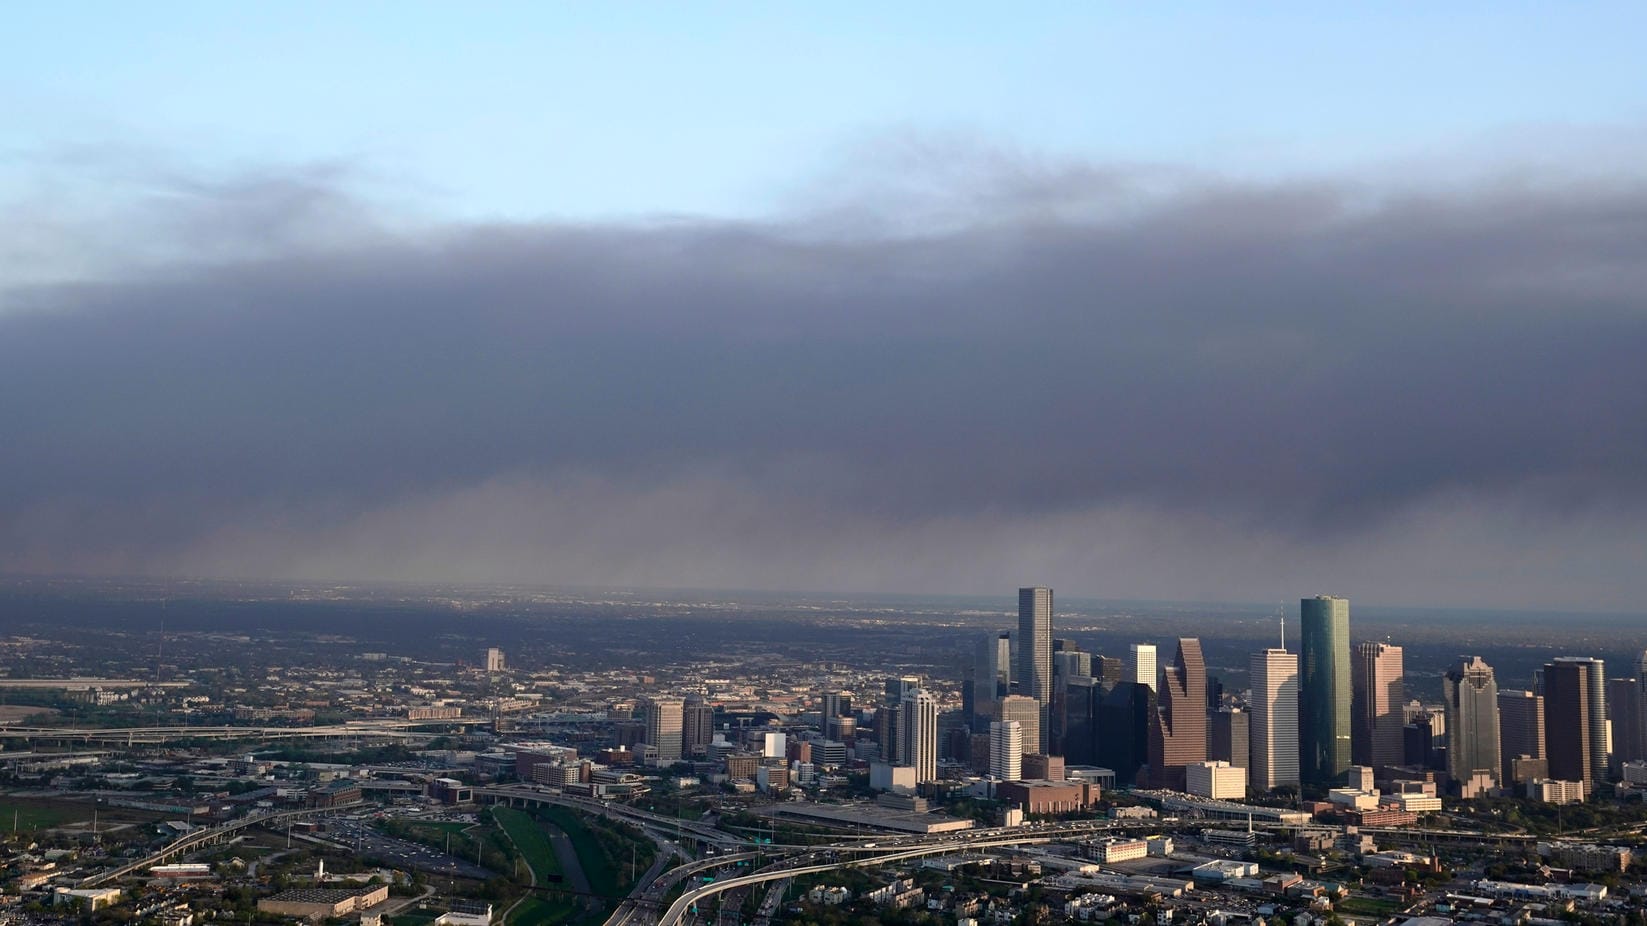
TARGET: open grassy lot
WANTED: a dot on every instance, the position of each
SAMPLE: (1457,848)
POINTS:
(529,837)
(537,911)
(442,826)
(597,849)
(32,815)
(1369,906)
(532,842)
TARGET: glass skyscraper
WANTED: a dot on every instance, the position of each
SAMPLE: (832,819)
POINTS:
(1324,689)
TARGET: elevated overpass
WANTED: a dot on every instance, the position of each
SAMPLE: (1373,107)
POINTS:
(941,845)
(205,837)
(528,796)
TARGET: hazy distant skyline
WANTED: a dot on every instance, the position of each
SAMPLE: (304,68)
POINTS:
(1248,327)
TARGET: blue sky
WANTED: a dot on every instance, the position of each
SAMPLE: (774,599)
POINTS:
(619,109)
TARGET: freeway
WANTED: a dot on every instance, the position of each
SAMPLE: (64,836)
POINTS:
(770,904)
(648,894)
(689,900)
(204,837)
(527,795)
(886,850)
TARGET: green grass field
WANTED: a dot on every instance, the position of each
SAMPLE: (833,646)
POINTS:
(604,878)
(442,826)
(1369,906)
(536,911)
(531,841)
(31,815)
(535,847)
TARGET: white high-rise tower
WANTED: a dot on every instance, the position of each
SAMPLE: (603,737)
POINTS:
(1006,750)
(918,734)
(1144,669)
(1274,727)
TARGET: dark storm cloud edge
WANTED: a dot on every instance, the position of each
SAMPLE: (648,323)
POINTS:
(1302,359)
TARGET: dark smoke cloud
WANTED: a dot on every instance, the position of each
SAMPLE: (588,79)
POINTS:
(1131,383)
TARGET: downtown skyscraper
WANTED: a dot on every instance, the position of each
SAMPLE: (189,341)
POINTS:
(1178,736)
(1625,723)
(1627,710)
(1521,735)
(663,727)
(1006,750)
(1273,754)
(1575,719)
(697,726)
(1027,714)
(1378,692)
(1324,689)
(1471,695)
(1143,665)
(918,734)
(991,679)
(1034,674)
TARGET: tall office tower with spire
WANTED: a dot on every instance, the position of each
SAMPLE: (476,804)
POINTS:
(1035,654)
(1273,750)
(991,678)
(1006,750)
(1471,695)
(1324,689)
(1520,731)
(1027,713)
(1377,693)
(697,726)
(918,734)
(663,727)
(1178,737)
(1575,738)
(1142,667)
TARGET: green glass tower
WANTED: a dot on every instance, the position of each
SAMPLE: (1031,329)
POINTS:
(1324,690)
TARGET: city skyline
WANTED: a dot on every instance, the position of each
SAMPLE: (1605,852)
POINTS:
(531,463)
(722,739)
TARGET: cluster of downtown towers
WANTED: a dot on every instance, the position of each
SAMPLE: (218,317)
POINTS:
(1309,716)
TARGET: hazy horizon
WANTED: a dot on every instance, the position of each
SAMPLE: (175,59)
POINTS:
(1002,603)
